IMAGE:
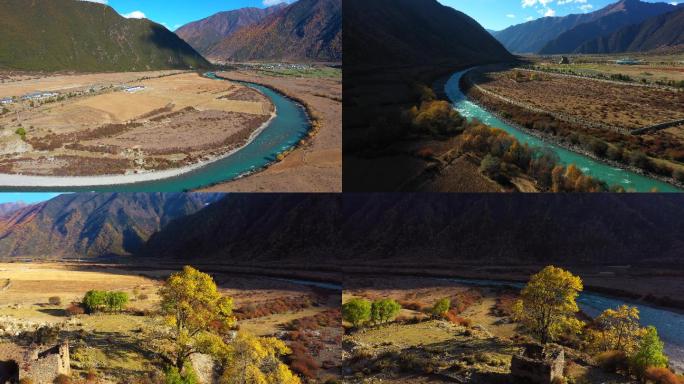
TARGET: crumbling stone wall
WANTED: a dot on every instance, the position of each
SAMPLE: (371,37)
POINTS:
(41,364)
(538,364)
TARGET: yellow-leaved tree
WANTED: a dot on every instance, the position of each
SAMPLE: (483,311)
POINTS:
(548,306)
(256,360)
(198,316)
(616,330)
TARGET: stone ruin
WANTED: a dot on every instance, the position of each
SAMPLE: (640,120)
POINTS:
(39,363)
(538,364)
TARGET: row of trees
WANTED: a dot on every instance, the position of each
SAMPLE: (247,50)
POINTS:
(548,309)
(504,156)
(97,301)
(360,311)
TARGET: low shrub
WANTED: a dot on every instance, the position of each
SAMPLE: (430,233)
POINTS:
(612,361)
(55,300)
(662,376)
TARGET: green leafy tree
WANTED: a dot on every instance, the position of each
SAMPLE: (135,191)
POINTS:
(116,301)
(441,307)
(356,311)
(650,353)
(197,314)
(384,310)
(174,376)
(94,301)
(548,306)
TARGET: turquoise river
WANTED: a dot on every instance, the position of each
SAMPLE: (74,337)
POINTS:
(611,175)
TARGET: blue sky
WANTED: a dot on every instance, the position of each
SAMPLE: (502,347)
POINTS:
(175,13)
(26,197)
(499,14)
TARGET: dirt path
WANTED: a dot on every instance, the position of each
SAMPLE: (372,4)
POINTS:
(481,314)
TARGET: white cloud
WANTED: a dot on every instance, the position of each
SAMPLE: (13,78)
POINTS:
(549,12)
(586,7)
(529,18)
(269,3)
(510,16)
(673,3)
(134,15)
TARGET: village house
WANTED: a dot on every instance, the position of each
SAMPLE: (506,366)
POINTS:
(539,364)
(39,95)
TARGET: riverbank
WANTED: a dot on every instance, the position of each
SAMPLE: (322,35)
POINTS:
(32,181)
(466,83)
(630,287)
(313,165)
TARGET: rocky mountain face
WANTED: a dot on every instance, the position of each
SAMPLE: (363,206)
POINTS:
(204,34)
(307,30)
(658,32)
(550,35)
(92,225)
(54,35)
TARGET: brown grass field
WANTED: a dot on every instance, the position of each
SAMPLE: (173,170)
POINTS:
(94,127)
(623,106)
(117,341)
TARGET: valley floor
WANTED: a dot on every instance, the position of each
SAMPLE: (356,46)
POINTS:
(123,124)
(117,344)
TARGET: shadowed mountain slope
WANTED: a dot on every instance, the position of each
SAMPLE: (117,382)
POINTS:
(253,228)
(624,13)
(514,229)
(566,33)
(55,35)
(404,32)
(657,32)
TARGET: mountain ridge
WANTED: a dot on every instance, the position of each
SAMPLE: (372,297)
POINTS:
(554,34)
(54,35)
(666,30)
(205,33)
(92,225)
(307,30)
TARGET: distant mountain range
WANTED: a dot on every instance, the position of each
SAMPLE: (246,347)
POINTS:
(555,35)
(307,30)
(92,225)
(77,35)
(661,31)
(401,32)
(204,34)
